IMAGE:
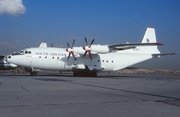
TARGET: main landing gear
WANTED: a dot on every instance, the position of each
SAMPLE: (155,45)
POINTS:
(85,74)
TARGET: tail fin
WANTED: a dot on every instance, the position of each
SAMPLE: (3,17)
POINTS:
(150,37)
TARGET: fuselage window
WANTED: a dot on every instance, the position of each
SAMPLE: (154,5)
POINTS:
(102,60)
(45,56)
(57,57)
(98,60)
(29,52)
(39,56)
(107,61)
(52,57)
(112,61)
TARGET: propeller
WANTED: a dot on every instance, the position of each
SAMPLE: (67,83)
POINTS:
(70,50)
(88,48)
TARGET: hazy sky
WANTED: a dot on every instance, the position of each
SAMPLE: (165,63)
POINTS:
(27,23)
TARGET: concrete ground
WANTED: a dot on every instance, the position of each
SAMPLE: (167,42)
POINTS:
(108,95)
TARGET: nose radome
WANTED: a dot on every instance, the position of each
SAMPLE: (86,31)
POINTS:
(6,58)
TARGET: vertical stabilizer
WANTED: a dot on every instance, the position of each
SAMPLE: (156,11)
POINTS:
(149,36)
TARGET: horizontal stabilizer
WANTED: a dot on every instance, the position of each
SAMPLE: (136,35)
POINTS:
(162,54)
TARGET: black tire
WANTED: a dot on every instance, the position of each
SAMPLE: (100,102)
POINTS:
(76,73)
(93,74)
(33,73)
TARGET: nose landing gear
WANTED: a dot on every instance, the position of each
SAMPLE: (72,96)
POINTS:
(33,73)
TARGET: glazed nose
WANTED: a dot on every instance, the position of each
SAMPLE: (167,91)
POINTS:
(6,58)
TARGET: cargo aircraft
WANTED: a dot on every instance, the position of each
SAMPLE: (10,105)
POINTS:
(90,59)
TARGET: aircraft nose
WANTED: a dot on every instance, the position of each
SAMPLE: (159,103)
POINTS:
(6,58)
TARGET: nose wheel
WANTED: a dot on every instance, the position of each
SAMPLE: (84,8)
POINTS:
(33,73)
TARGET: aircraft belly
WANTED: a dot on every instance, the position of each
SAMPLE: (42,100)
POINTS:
(47,64)
(124,60)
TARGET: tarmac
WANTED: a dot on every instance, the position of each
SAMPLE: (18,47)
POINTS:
(50,94)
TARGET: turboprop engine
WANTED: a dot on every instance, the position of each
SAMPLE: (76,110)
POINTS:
(101,49)
(90,49)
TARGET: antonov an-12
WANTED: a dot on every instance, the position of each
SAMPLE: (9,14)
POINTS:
(90,59)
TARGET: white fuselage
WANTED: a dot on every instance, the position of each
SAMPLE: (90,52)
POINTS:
(89,59)
(56,59)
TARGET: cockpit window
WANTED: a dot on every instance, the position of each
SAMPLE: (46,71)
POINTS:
(19,53)
(22,52)
(16,53)
(27,52)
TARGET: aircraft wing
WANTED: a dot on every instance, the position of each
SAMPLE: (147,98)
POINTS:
(131,46)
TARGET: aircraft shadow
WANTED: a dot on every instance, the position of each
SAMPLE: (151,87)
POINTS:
(52,79)
(104,87)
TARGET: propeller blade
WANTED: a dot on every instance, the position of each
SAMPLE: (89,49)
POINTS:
(68,56)
(85,54)
(91,43)
(73,44)
(89,52)
(86,41)
(68,45)
(88,49)
(70,50)
(73,54)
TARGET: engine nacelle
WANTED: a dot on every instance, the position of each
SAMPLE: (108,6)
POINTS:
(95,49)
(78,50)
(101,49)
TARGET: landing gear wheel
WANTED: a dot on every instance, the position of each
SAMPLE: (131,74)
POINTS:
(76,73)
(93,74)
(33,73)
(85,74)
